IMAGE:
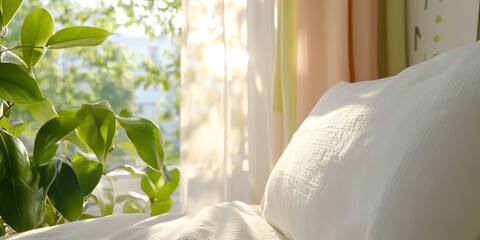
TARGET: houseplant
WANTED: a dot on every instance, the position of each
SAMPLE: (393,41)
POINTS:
(51,184)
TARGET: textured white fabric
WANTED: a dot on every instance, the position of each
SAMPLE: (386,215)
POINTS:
(229,221)
(397,158)
(85,229)
(233,220)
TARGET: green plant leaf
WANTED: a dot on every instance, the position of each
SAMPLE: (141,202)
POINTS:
(48,154)
(126,113)
(5,124)
(17,128)
(160,207)
(133,206)
(127,148)
(131,195)
(104,196)
(21,204)
(88,171)
(72,113)
(134,172)
(158,190)
(48,173)
(86,216)
(66,193)
(1,21)
(151,182)
(149,187)
(134,202)
(166,174)
(10,57)
(17,86)
(50,218)
(14,59)
(146,138)
(49,134)
(98,129)
(37,28)
(2,230)
(72,136)
(169,187)
(40,112)
(77,36)
(9,9)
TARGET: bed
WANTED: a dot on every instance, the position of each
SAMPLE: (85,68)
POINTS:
(395,158)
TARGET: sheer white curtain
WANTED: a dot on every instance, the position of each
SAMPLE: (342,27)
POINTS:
(228,137)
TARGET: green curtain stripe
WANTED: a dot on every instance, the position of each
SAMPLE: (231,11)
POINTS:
(285,82)
(277,83)
(290,83)
(392,38)
(382,39)
(478,24)
(396,35)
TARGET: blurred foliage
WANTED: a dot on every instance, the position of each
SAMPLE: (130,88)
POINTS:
(110,71)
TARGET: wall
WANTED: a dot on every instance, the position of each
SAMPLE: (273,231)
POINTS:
(434,26)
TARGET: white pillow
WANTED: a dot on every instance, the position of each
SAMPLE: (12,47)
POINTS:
(396,158)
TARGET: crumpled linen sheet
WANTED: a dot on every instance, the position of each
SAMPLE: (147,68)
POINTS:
(231,220)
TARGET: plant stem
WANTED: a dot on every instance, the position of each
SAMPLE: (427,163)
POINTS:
(49,201)
(58,217)
(17,47)
(9,108)
(3,32)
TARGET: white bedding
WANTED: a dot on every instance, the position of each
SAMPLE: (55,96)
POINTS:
(231,220)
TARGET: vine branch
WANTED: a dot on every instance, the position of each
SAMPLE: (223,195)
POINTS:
(9,108)
(17,47)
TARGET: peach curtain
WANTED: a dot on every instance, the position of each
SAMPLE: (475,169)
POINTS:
(342,40)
